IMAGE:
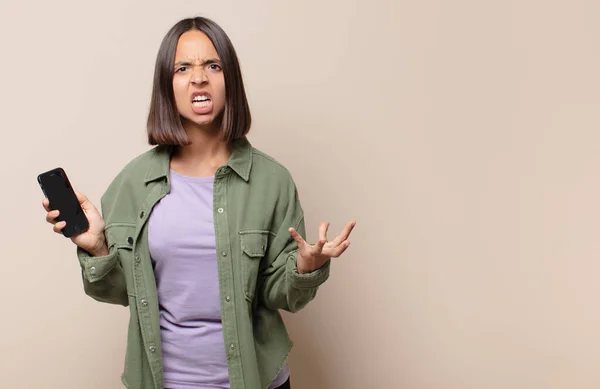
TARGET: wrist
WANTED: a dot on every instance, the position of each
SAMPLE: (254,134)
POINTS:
(100,249)
(302,269)
(301,266)
(307,266)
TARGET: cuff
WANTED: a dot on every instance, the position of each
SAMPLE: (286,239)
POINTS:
(308,280)
(94,268)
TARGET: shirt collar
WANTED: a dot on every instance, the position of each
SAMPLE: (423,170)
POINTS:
(240,160)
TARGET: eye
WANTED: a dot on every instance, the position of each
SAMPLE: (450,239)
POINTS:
(214,66)
(181,69)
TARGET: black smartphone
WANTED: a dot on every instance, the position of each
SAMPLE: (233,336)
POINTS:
(57,189)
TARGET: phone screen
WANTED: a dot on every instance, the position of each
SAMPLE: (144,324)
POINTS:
(60,194)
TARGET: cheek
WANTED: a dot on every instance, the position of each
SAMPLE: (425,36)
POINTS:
(220,91)
(180,92)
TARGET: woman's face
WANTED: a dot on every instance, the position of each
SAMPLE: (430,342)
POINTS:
(198,82)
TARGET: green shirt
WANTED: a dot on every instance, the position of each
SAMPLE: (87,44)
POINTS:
(255,202)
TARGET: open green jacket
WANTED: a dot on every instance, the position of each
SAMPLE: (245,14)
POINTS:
(255,202)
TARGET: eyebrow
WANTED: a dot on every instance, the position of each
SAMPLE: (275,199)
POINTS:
(206,61)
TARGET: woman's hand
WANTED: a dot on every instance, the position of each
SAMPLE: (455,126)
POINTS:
(93,240)
(311,258)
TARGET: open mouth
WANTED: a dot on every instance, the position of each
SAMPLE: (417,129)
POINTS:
(201,101)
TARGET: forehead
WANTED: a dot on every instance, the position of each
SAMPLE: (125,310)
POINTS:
(195,44)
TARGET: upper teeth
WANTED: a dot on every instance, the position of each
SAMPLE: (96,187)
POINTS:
(200,98)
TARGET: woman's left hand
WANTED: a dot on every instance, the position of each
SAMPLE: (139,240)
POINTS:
(311,258)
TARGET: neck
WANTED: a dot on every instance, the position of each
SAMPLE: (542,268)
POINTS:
(206,152)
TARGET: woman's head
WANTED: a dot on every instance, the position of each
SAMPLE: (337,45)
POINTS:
(197,81)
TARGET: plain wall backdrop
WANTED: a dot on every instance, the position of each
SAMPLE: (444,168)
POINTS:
(463,136)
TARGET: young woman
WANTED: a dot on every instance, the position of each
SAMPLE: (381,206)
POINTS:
(202,235)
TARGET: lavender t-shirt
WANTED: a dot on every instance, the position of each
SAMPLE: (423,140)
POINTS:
(183,250)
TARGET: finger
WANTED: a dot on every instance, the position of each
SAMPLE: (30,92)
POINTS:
(337,251)
(51,216)
(318,248)
(59,226)
(83,201)
(296,236)
(323,227)
(46,205)
(344,235)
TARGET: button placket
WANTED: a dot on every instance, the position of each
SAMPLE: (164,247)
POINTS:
(225,266)
(149,333)
(223,253)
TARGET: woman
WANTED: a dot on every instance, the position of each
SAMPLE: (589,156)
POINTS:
(202,236)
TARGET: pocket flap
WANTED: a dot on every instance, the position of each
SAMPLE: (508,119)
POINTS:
(254,243)
(120,235)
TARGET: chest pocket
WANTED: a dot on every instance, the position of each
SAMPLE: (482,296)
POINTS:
(120,237)
(254,246)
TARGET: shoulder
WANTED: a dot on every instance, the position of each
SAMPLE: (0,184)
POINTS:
(275,187)
(273,181)
(265,165)
(131,177)
(138,167)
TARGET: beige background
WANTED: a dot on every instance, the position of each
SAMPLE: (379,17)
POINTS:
(462,135)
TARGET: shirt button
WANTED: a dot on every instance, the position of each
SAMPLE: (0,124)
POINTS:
(224,254)
(93,269)
(152,349)
(137,259)
(228,299)
(130,240)
(232,347)
(141,214)
(220,210)
(144,302)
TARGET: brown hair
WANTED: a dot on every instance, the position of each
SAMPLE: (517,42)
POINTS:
(164,122)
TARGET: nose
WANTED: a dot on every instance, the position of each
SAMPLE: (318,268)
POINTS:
(198,76)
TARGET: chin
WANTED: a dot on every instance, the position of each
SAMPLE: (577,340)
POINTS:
(203,122)
(210,119)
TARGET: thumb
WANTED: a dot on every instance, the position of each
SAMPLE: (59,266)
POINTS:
(83,201)
(319,246)
(296,236)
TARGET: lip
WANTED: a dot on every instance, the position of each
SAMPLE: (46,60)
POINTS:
(201,109)
(195,94)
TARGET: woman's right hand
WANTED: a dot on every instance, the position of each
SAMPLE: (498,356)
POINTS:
(93,240)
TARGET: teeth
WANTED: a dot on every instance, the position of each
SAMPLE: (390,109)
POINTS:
(201,98)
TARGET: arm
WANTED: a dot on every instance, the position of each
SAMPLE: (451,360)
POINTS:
(102,273)
(281,286)
(103,277)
